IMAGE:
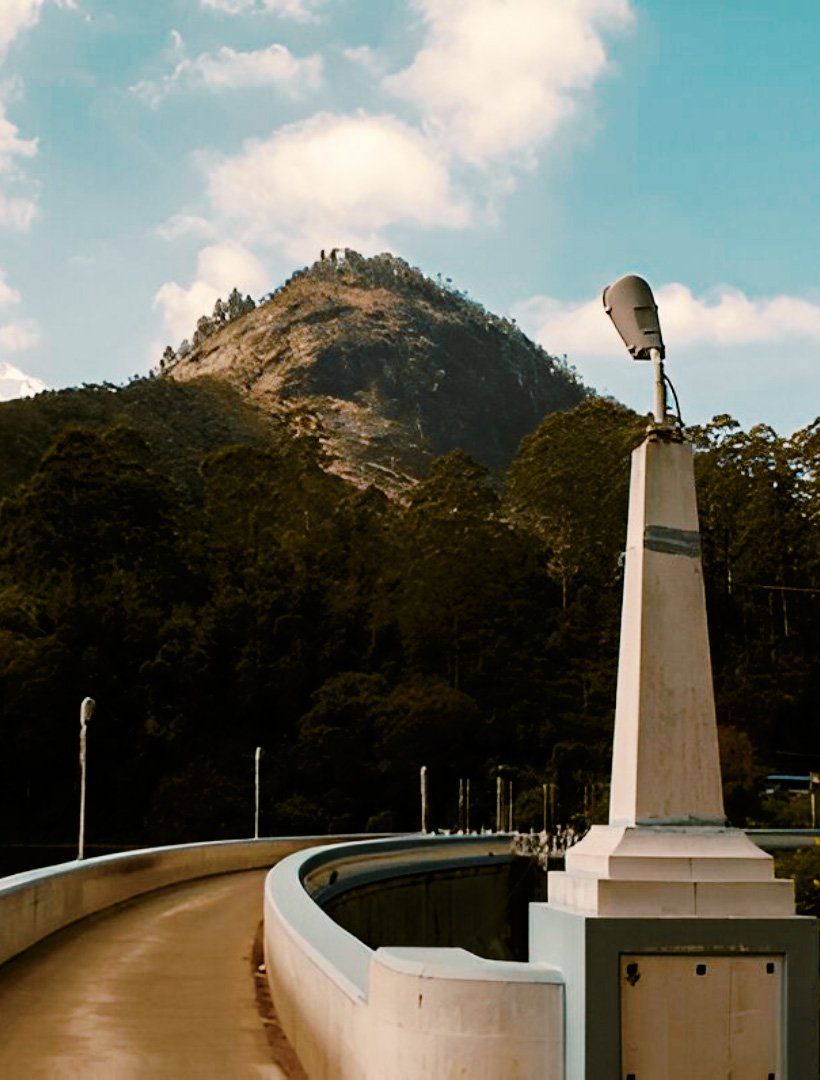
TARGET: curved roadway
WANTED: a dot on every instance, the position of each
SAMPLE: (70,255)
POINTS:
(161,987)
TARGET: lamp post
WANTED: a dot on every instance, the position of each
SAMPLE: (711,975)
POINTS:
(423,784)
(631,306)
(257,756)
(86,711)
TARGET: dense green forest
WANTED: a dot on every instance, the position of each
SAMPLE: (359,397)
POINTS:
(167,551)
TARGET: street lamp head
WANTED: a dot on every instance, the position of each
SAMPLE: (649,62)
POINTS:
(631,306)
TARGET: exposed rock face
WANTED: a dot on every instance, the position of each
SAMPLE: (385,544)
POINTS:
(387,368)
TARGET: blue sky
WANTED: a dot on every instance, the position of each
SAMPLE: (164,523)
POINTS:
(153,155)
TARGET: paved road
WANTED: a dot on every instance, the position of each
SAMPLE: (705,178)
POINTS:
(158,988)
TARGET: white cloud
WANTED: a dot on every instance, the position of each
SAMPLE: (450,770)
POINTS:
(335,180)
(179,225)
(579,328)
(492,81)
(370,60)
(17,336)
(495,78)
(229,7)
(727,317)
(19,15)
(298,10)
(11,145)
(754,357)
(8,295)
(274,66)
(16,213)
(14,383)
(229,69)
(220,268)
(13,338)
(16,16)
(723,317)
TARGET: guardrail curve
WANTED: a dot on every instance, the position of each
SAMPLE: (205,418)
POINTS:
(391,1012)
(37,903)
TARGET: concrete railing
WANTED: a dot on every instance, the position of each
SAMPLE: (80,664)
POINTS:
(350,1010)
(784,839)
(36,903)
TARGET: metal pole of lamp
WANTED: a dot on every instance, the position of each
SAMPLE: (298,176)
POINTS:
(86,711)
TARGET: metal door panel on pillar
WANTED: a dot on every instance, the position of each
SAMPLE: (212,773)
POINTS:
(704,1016)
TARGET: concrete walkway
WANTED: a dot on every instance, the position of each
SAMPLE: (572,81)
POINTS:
(161,987)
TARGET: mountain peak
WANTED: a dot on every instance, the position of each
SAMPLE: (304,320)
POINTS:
(386,367)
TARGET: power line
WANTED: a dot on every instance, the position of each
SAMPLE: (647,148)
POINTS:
(773,588)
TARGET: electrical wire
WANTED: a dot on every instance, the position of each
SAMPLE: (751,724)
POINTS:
(668,382)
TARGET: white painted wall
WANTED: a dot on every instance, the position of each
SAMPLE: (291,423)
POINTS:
(402,1013)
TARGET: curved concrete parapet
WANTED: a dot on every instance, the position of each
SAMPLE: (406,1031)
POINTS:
(391,1013)
(36,903)
(772,840)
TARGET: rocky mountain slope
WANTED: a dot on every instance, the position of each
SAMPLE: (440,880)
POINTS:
(386,368)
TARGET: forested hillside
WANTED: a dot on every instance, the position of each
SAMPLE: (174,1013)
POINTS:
(195,569)
(315,531)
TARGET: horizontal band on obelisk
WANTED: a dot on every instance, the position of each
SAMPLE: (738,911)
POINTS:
(672,541)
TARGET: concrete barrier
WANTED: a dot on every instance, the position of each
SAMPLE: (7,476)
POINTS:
(396,1013)
(772,840)
(36,903)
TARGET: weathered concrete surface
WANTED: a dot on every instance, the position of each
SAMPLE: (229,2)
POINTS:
(412,1012)
(160,987)
(666,851)
(665,761)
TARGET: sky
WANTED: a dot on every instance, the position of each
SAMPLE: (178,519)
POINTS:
(153,155)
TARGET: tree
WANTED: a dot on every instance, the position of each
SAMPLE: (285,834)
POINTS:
(759,552)
(569,486)
(91,568)
(335,747)
(427,722)
(237,304)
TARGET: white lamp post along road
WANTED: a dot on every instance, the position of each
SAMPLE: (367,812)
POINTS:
(86,711)
(257,756)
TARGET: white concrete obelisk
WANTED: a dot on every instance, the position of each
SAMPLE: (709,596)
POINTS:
(666,768)
(666,849)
